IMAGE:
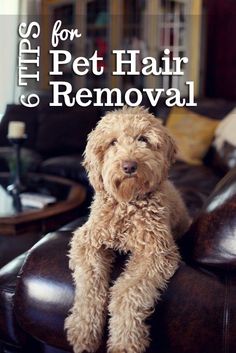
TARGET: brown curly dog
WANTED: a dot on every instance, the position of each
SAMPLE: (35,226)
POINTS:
(135,209)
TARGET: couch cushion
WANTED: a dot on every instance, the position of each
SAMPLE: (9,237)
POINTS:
(64,131)
(29,116)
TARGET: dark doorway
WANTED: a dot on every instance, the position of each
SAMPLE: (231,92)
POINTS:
(221,49)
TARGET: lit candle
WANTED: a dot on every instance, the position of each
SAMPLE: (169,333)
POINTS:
(16,129)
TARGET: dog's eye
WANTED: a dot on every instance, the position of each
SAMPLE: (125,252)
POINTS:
(142,138)
(113,142)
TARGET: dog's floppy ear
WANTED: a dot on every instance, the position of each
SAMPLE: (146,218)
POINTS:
(163,136)
(171,145)
(92,161)
(165,142)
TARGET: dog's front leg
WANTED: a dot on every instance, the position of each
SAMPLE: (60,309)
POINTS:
(133,297)
(91,271)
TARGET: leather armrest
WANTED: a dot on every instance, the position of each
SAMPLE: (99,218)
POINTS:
(45,290)
(10,331)
(72,226)
(211,239)
(44,293)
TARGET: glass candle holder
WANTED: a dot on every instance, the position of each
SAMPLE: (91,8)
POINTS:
(17,186)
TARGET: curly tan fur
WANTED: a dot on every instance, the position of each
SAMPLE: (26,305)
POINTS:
(141,213)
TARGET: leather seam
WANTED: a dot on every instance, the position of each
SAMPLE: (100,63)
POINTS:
(226,316)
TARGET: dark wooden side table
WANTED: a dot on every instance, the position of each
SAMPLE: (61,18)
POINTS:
(69,197)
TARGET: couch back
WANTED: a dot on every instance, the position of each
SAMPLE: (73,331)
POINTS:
(52,131)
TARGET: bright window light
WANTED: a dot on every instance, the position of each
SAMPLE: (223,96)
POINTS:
(9,7)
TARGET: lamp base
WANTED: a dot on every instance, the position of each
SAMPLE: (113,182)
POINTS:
(17,187)
(15,191)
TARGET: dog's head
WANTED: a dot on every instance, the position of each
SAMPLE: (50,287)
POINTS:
(128,154)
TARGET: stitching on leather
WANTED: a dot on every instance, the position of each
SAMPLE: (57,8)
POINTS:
(226,316)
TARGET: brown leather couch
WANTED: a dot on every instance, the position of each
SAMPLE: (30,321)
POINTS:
(197,312)
(31,321)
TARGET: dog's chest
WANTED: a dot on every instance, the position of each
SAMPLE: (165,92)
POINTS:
(129,226)
(122,226)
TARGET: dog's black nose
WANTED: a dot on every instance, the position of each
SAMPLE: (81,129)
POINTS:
(129,167)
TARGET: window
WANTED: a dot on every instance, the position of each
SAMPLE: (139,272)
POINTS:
(8,59)
(173,35)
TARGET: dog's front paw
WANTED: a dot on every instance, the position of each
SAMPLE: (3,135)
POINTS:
(124,339)
(81,336)
(122,350)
